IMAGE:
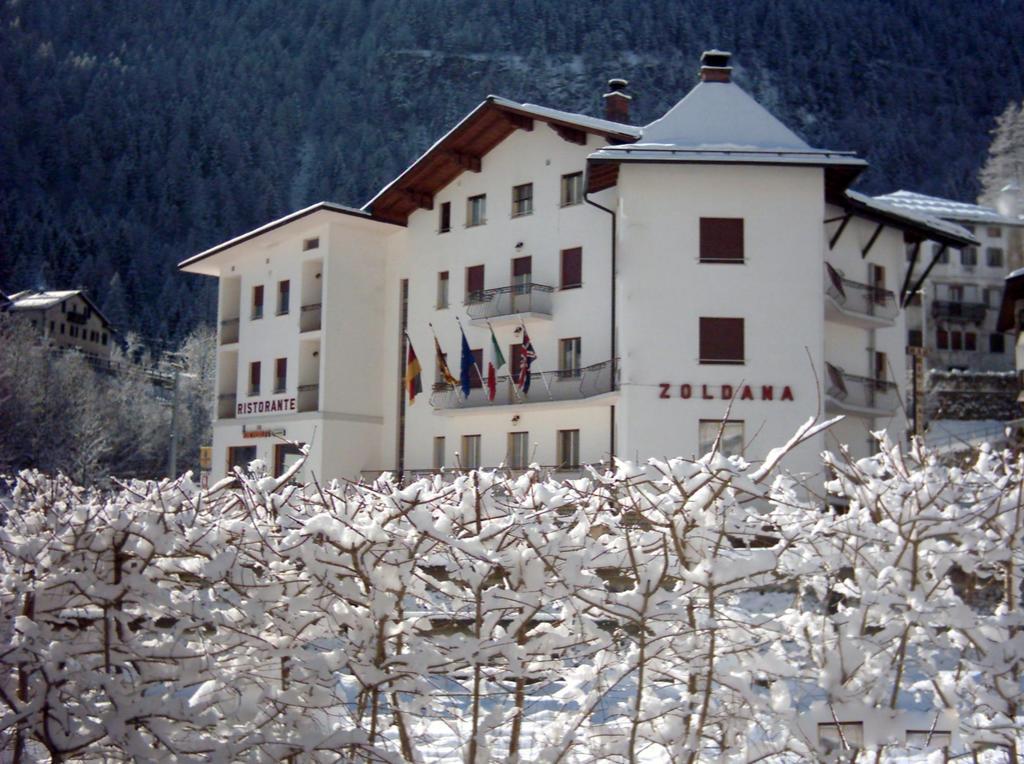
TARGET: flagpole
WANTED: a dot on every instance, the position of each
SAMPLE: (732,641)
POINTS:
(508,377)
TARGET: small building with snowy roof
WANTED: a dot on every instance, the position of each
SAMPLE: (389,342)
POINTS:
(955,300)
(572,290)
(66,319)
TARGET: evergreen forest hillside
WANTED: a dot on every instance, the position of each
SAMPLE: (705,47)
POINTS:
(134,134)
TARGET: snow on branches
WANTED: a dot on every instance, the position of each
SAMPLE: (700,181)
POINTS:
(676,611)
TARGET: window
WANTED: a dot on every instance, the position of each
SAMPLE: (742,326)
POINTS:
(721,240)
(62,328)
(969,256)
(572,189)
(257,302)
(568,449)
(914,338)
(956,341)
(956,292)
(280,375)
(731,443)
(522,200)
(283,295)
(942,339)
(518,450)
(881,366)
(51,327)
(996,343)
(515,359)
(444,225)
(476,210)
(240,456)
(941,252)
(993,296)
(878,284)
(994,232)
(831,735)
(285,455)
(569,358)
(721,340)
(309,244)
(442,290)
(572,268)
(439,452)
(254,378)
(994,257)
(104,337)
(470,452)
(474,283)
(970,341)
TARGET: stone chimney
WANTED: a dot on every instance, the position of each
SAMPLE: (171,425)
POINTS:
(616,102)
(714,66)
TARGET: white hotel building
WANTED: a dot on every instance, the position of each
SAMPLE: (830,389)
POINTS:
(709,265)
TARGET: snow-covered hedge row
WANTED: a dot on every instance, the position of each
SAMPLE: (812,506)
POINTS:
(673,611)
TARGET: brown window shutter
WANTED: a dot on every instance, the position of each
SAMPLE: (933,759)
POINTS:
(721,340)
(721,240)
(522,266)
(515,359)
(572,267)
(474,279)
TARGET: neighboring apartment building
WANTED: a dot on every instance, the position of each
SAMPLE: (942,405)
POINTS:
(1011,319)
(953,314)
(65,319)
(709,266)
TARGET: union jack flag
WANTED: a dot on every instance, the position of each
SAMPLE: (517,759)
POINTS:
(526,357)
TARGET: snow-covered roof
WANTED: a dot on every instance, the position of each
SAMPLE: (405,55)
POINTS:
(720,122)
(30,299)
(582,121)
(933,227)
(328,206)
(945,208)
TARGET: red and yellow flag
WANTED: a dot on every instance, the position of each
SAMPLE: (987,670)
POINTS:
(413,381)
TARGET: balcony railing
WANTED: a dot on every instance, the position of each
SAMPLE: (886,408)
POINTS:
(226,405)
(228,331)
(562,385)
(861,394)
(309,397)
(76,318)
(862,299)
(544,472)
(509,300)
(951,310)
(309,317)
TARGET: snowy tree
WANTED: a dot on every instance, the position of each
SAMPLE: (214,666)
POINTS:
(1004,164)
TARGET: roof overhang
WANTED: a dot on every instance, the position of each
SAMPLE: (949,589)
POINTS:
(916,227)
(841,168)
(200,263)
(465,145)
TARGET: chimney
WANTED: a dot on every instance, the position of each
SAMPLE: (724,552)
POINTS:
(714,66)
(616,102)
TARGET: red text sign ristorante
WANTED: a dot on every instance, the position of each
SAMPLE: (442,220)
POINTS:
(278,406)
(726,392)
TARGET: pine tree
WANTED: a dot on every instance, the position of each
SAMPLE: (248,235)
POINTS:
(1005,162)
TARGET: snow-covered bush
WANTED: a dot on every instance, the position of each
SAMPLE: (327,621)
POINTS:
(675,611)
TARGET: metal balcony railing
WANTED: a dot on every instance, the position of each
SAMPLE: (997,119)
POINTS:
(544,472)
(863,299)
(861,394)
(226,403)
(76,318)
(309,317)
(309,397)
(228,331)
(560,385)
(951,310)
(509,300)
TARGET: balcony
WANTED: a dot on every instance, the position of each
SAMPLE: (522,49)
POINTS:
(545,387)
(849,393)
(544,472)
(226,405)
(76,318)
(861,304)
(229,331)
(966,312)
(509,302)
(309,398)
(309,317)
